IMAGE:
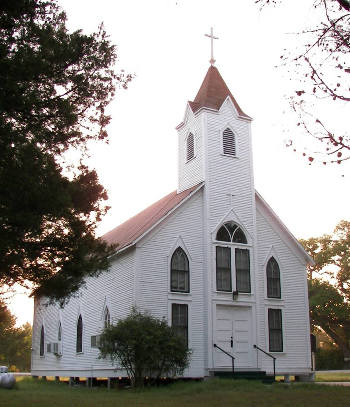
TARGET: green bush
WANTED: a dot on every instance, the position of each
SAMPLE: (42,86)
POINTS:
(145,347)
(329,359)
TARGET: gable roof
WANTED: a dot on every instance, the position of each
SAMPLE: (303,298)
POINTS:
(213,92)
(282,227)
(129,232)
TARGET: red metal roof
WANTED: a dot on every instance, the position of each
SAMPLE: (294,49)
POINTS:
(129,231)
(213,93)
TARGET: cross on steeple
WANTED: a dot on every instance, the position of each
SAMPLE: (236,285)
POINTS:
(212,38)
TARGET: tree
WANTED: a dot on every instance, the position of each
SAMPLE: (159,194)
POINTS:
(15,343)
(323,68)
(145,346)
(329,285)
(54,89)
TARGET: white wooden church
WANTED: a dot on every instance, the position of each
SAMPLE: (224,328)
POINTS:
(211,257)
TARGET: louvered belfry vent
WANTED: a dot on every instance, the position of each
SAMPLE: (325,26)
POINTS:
(229,142)
(190,147)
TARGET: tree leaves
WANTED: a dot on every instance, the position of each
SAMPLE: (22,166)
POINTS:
(329,284)
(145,346)
(54,88)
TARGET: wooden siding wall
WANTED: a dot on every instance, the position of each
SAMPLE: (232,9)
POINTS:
(115,289)
(190,173)
(183,228)
(294,302)
(225,175)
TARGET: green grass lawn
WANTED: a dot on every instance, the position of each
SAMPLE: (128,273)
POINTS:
(216,392)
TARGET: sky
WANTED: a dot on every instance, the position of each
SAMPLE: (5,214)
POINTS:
(163,43)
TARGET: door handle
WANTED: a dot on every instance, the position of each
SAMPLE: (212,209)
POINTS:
(231,342)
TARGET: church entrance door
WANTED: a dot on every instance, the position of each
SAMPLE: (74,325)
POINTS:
(233,333)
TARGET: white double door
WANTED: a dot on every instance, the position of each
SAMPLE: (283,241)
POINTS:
(233,333)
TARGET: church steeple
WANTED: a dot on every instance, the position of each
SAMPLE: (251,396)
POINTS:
(213,92)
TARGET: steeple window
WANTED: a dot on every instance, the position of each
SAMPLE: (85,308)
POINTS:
(229,142)
(190,147)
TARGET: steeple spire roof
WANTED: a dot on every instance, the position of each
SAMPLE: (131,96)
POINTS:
(213,93)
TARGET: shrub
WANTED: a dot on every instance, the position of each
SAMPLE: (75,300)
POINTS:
(329,359)
(145,346)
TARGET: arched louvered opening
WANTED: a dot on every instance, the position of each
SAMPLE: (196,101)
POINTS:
(229,142)
(79,343)
(42,341)
(180,271)
(190,147)
(273,278)
(107,318)
(231,232)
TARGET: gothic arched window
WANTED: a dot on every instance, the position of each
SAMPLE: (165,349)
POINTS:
(273,279)
(42,341)
(230,232)
(232,263)
(228,142)
(180,272)
(107,318)
(190,147)
(79,343)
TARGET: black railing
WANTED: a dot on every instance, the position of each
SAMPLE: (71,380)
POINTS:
(228,354)
(274,360)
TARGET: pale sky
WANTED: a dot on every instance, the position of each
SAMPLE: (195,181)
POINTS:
(162,42)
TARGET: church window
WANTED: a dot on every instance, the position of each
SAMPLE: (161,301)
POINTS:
(79,343)
(229,142)
(231,260)
(42,341)
(230,232)
(242,270)
(275,330)
(59,334)
(223,269)
(190,147)
(107,318)
(179,320)
(180,273)
(273,279)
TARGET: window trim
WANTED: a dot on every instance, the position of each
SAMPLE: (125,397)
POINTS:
(187,160)
(188,318)
(216,269)
(281,329)
(106,312)
(228,126)
(188,291)
(42,341)
(78,352)
(269,297)
(233,247)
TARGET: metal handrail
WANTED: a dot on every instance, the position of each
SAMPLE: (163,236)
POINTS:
(228,354)
(273,357)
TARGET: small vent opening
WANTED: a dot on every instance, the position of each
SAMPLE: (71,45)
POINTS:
(229,142)
(190,147)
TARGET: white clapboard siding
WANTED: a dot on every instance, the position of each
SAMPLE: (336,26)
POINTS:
(183,228)
(114,288)
(294,301)
(190,172)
